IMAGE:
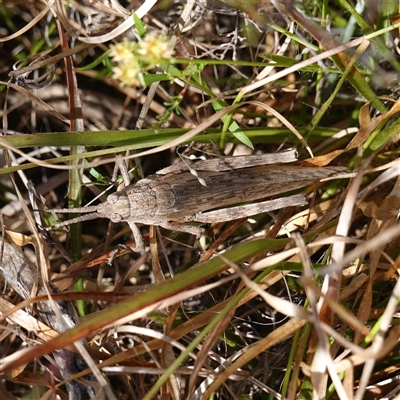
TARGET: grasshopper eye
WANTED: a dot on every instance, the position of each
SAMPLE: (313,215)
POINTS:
(112,198)
(116,217)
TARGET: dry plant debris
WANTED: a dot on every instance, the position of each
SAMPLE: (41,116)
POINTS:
(297,303)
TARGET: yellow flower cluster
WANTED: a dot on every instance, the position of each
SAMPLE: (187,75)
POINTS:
(132,59)
(155,46)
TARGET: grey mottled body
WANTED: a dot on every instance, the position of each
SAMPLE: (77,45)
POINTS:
(175,196)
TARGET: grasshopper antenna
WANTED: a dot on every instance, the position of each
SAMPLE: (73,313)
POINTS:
(92,210)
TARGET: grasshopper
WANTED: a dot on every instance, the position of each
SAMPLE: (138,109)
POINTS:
(175,195)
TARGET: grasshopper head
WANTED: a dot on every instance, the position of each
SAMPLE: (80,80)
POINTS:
(116,207)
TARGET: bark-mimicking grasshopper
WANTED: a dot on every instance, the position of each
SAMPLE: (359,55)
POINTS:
(174,196)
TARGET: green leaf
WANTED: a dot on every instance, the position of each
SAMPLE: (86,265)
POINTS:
(233,126)
(141,28)
(383,136)
(170,69)
(98,176)
(96,62)
(280,60)
(239,135)
(148,79)
(193,70)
